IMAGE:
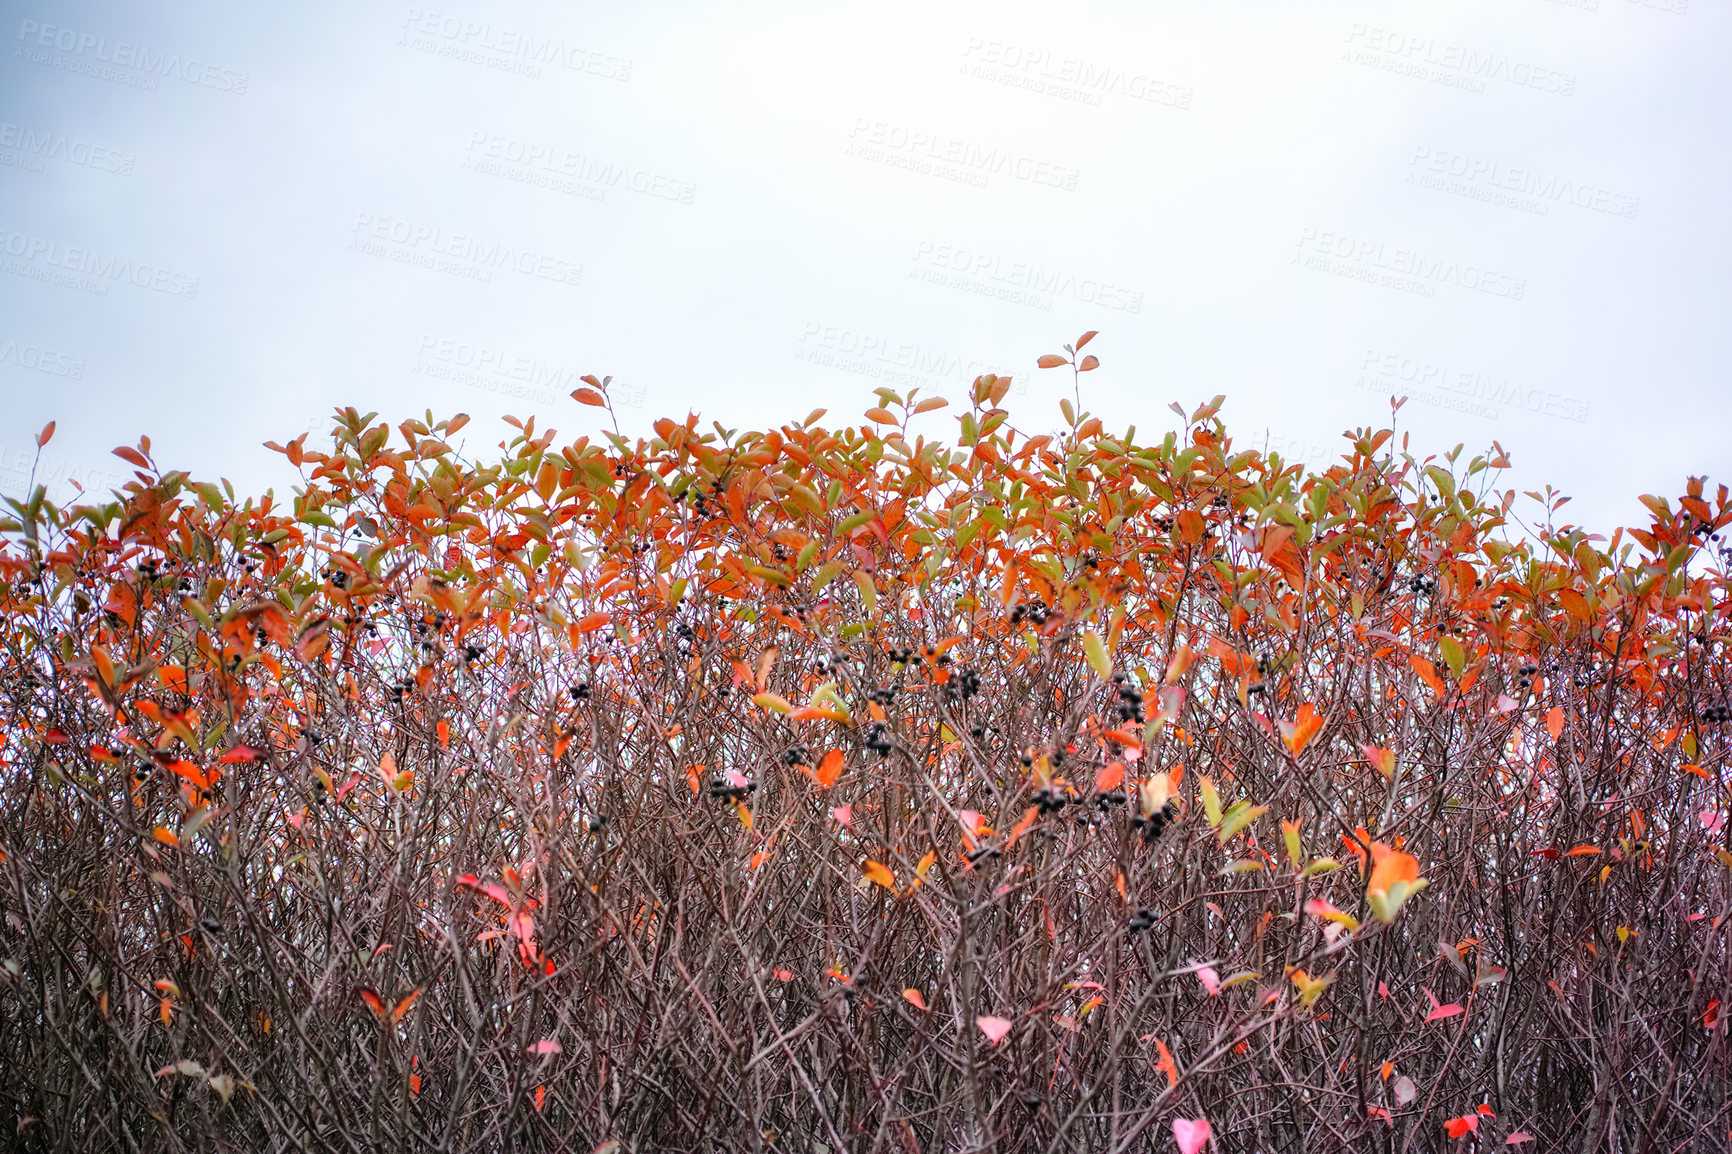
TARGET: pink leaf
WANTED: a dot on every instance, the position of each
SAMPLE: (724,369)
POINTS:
(1506,704)
(1712,821)
(1438,1012)
(1405,1090)
(1518,1138)
(1210,979)
(994,1028)
(844,814)
(545,1046)
(1191,1135)
(1382,989)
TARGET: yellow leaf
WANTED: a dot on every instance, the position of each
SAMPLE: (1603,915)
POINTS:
(1211,800)
(1096,650)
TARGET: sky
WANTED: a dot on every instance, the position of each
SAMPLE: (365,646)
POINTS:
(220,221)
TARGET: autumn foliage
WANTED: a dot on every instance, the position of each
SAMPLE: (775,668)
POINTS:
(859,788)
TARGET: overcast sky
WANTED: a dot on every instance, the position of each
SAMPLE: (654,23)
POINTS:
(220,220)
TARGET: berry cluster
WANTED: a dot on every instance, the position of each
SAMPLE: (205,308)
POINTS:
(1156,823)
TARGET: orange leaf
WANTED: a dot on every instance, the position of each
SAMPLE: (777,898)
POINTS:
(402,1007)
(1555,721)
(1051,361)
(1109,777)
(165,835)
(591,623)
(589,397)
(829,769)
(1021,827)
(1391,866)
(1299,732)
(881,416)
(374,1004)
(47,432)
(880,874)
(914,998)
(443,730)
(1089,362)
(1584,851)
(1166,1063)
(1427,673)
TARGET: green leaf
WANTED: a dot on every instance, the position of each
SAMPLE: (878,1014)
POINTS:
(1240,815)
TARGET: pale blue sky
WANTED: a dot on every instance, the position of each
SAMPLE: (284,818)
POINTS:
(220,220)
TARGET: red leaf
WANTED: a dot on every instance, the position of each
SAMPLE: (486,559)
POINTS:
(132,457)
(1456,1127)
(241,753)
(1442,1012)
(45,434)
(374,1004)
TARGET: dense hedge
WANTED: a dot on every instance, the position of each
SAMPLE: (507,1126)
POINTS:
(847,789)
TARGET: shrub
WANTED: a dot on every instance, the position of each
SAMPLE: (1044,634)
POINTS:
(843,789)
